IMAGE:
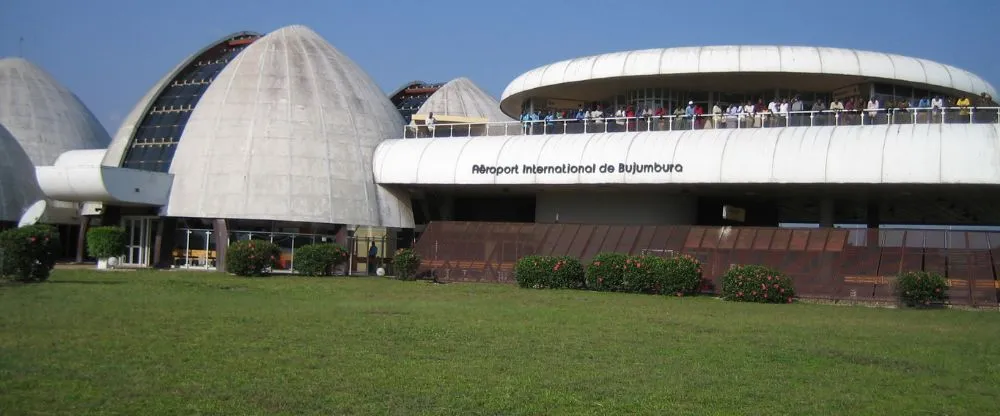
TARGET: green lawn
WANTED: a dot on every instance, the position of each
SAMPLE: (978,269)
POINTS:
(183,343)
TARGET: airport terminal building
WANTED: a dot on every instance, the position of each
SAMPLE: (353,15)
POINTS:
(282,137)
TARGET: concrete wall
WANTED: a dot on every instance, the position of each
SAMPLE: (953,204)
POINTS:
(616,207)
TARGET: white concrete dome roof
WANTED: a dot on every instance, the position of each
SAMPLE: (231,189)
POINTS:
(287,132)
(42,115)
(18,187)
(462,97)
(744,59)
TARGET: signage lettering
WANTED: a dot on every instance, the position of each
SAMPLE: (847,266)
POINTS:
(629,168)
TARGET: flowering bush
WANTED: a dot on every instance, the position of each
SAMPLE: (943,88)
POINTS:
(645,274)
(405,264)
(606,272)
(754,283)
(540,272)
(252,257)
(28,254)
(921,288)
(318,259)
(104,242)
(682,275)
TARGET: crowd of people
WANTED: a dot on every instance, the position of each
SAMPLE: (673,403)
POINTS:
(779,112)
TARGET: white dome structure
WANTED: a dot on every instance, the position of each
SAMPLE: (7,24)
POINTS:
(18,187)
(462,97)
(287,132)
(42,115)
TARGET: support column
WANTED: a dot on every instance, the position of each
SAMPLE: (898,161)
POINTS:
(81,240)
(163,243)
(872,215)
(221,235)
(827,213)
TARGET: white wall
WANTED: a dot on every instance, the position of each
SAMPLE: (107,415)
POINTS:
(616,207)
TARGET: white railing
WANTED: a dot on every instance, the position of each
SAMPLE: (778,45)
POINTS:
(951,115)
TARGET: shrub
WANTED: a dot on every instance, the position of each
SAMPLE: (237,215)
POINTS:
(28,254)
(540,272)
(754,283)
(606,272)
(251,257)
(104,242)
(683,275)
(318,259)
(405,264)
(644,274)
(921,288)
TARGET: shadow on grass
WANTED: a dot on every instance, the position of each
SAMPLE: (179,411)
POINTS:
(89,282)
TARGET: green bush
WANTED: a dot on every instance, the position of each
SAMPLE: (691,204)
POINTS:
(606,272)
(318,259)
(921,288)
(252,257)
(645,274)
(683,275)
(755,283)
(104,242)
(547,272)
(405,264)
(28,254)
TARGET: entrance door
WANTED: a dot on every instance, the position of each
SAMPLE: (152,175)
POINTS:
(139,231)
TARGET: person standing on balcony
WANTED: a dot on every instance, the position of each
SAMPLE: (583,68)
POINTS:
(798,107)
(430,124)
(773,109)
(784,108)
(717,121)
(963,108)
(699,117)
(872,107)
(679,115)
(661,121)
(818,115)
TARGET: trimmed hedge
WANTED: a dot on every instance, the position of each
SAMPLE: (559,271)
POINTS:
(318,259)
(104,242)
(755,283)
(28,254)
(405,264)
(548,272)
(606,272)
(252,257)
(918,289)
(616,272)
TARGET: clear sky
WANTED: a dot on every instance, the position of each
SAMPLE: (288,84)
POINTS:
(109,52)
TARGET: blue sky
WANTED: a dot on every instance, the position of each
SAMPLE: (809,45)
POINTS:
(109,52)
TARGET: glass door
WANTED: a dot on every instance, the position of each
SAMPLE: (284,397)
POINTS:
(138,231)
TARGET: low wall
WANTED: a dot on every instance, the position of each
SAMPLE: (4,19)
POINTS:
(836,264)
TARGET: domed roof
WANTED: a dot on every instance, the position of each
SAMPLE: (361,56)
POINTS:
(462,97)
(18,187)
(42,115)
(287,132)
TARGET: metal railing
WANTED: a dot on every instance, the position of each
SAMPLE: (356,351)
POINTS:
(869,117)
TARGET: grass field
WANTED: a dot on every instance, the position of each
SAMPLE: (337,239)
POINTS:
(183,343)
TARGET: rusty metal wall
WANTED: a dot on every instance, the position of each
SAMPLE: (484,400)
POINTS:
(836,264)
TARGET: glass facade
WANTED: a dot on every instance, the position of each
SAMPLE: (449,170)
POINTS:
(155,139)
(409,100)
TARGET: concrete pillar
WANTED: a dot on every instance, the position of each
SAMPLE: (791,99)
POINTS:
(872,215)
(221,235)
(827,215)
(81,240)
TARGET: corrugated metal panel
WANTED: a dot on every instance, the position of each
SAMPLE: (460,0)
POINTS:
(831,264)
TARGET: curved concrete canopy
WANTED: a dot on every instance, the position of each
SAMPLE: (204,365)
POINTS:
(287,132)
(18,187)
(740,59)
(42,115)
(898,154)
(462,97)
(78,176)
